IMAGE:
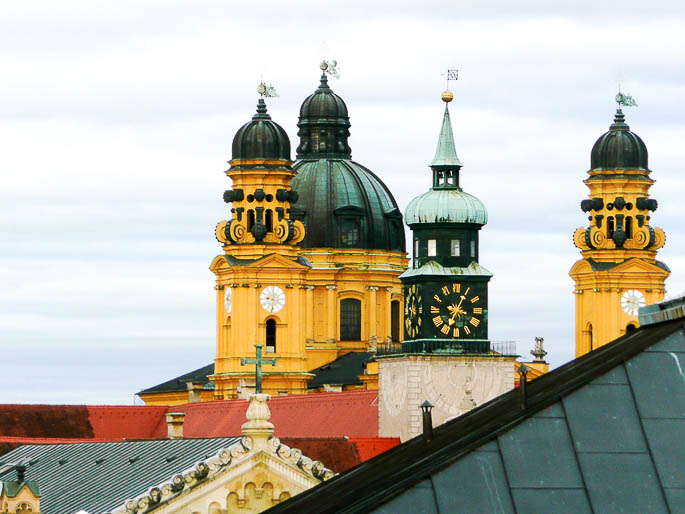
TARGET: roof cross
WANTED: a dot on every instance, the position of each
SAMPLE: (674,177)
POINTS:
(258,361)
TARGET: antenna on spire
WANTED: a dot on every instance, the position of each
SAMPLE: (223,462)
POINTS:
(330,68)
(267,90)
(447,95)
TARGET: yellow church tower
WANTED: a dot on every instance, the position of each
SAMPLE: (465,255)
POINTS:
(259,278)
(619,272)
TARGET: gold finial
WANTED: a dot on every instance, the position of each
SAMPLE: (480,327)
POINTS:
(447,95)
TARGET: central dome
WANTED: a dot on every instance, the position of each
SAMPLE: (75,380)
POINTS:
(261,138)
(342,203)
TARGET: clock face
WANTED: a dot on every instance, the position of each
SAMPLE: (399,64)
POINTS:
(456,311)
(272,299)
(228,298)
(413,311)
(631,301)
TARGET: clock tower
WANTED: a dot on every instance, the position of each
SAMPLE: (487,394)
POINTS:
(446,289)
(261,282)
(619,272)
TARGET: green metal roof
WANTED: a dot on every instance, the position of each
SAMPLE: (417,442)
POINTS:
(97,477)
(446,153)
(180,383)
(446,206)
(434,268)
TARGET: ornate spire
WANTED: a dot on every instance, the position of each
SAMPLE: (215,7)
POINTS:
(446,153)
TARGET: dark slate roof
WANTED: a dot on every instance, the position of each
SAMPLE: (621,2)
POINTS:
(179,383)
(97,477)
(344,370)
(602,433)
(603,266)
(261,138)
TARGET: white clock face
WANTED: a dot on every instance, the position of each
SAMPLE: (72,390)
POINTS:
(228,297)
(631,301)
(272,299)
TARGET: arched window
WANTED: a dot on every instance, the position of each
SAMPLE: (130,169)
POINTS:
(270,336)
(395,321)
(610,227)
(350,319)
(269,220)
(250,220)
(629,227)
(630,327)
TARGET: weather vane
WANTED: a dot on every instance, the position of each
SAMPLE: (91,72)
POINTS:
(330,68)
(624,100)
(266,90)
(452,74)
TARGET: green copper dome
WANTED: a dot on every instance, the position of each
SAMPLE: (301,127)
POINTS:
(446,206)
(261,138)
(342,203)
(619,149)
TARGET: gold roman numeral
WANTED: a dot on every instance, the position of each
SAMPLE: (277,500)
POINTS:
(420,309)
(437,321)
(474,321)
(455,332)
(434,309)
(467,329)
(474,299)
(456,288)
(445,329)
(467,291)
(478,310)
(437,298)
(445,290)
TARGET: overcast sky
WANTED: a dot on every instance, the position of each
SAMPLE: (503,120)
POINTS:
(116,120)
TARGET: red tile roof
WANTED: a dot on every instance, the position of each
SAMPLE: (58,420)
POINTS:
(339,429)
(351,414)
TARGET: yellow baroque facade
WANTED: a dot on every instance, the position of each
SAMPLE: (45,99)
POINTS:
(311,272)
(619,272)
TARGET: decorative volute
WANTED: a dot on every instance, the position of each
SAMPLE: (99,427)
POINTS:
(619,206)
(261,171)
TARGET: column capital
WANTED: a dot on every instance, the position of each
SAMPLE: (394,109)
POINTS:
(331,287)
(389,289)
(372,288)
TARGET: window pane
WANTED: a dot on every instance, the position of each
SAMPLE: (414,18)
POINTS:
(455,247)
(350,320)
(349,233)
(473,248)
(431,248)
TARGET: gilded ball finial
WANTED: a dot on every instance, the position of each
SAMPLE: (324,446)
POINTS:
(447,96)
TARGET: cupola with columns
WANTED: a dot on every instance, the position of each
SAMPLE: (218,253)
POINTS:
(619,272)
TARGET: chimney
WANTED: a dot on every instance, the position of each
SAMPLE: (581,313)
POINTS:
(194,391)
(426,407)
(174,421)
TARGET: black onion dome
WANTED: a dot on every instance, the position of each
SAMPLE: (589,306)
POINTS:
(261,138)
(324,124)
(345,205)
(619,149)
